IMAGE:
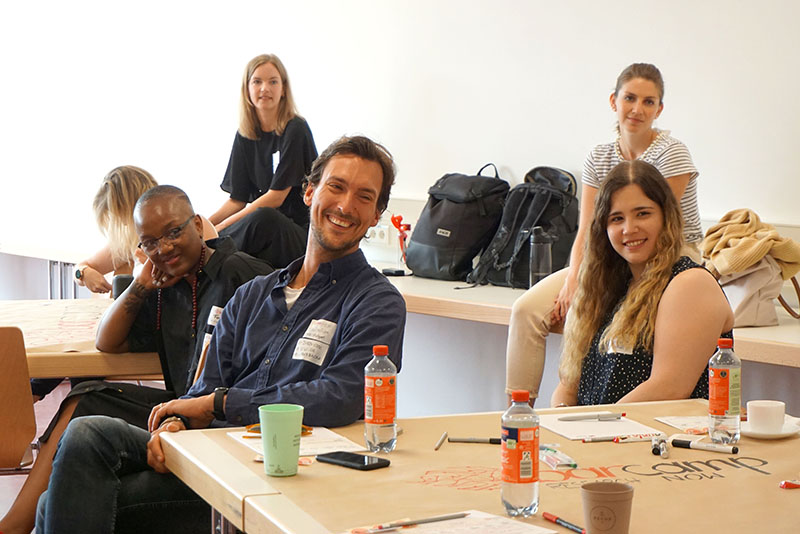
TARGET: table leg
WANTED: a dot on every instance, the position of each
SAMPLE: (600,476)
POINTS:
(220,525)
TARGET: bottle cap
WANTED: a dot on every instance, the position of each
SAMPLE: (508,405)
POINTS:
(380,350)
(520,395)
(725,343)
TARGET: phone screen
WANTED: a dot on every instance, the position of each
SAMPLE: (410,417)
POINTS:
(353,460)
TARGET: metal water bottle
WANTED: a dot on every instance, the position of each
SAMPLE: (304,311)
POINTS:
(541,261)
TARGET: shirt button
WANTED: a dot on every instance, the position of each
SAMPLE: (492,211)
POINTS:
(284,328)
(267,362)
(333,282)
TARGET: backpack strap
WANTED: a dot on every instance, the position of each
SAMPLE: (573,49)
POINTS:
(786,304)
(497,244)
(540,202)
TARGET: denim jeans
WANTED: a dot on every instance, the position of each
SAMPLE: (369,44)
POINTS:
(101,483)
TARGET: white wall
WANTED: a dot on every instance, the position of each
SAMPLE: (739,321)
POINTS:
(446,85)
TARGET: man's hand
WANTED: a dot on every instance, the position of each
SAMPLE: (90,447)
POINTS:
(200,411)
(155,454)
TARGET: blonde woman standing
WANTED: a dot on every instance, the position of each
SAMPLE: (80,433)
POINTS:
(637,101)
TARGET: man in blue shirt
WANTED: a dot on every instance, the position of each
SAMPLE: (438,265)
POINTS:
(301,335)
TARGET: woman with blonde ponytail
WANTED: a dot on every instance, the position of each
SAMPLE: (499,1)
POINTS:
(645,318)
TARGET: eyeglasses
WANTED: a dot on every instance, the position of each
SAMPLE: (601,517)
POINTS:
(149,246)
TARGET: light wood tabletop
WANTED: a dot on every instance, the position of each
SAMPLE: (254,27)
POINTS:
(59,340)
(692,490)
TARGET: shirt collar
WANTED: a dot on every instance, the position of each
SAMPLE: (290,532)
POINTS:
(223,247)
(338,269)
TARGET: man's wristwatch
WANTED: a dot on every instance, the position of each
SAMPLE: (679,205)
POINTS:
(79,272)
(219,403)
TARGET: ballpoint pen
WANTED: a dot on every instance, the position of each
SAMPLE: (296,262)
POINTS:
(400,524)
(492,441)
(593,417)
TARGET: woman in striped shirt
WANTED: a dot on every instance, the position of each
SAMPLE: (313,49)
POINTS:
(637,101)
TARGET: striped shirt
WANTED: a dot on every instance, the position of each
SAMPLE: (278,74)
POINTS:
(670,157)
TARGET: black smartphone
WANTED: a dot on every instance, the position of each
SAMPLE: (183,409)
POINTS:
(362,462)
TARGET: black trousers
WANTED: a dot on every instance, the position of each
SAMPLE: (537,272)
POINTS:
(269,235)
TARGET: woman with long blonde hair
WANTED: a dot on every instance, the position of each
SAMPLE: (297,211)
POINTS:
(113,211)
(272,153)
(645,319)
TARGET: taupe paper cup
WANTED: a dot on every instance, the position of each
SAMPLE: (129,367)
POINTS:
(607,507)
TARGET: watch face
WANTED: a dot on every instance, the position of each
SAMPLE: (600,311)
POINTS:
(78,274)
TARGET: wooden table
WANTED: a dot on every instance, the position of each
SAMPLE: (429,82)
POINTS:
(59,340)
(485,304)
(778,345)
(692,491)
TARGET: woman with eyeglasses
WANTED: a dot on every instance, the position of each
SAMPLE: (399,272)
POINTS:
(272,153)
(637,101)
(113,211)
(169,308)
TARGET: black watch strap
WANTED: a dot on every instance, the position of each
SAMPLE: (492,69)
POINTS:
(219,403)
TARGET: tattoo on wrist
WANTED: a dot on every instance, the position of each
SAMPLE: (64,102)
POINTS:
(138,294)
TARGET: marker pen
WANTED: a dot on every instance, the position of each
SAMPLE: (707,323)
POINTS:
(713,447)
(659,446)
(493,441)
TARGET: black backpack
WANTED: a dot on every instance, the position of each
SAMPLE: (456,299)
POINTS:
(546,199)
(457,222)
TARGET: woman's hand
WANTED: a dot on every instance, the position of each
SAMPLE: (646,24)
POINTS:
(563,300)
(152,277)
(92,280)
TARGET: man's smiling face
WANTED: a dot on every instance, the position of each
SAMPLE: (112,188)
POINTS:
(343,204)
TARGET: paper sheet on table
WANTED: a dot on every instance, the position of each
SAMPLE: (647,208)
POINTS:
(593,429)
(320,441)
(476,522)
(688,424)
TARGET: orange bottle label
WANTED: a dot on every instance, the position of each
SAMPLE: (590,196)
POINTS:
(380,399)
(520,454)
(724,391)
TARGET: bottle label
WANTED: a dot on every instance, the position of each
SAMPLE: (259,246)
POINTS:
(380,399)
(724,391)
(520,454)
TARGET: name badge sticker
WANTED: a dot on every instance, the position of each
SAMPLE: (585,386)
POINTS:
(321,330)
(276,160)
(314,344)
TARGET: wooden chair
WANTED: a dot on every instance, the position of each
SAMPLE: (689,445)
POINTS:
(17,419)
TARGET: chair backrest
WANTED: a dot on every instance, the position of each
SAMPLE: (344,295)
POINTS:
(17,419)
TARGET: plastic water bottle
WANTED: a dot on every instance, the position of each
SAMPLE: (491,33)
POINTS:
(724,393)
(520,457)
(380,401)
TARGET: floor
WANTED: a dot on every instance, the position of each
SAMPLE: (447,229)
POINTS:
(45,410)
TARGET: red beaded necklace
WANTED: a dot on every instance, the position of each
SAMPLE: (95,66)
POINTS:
(194,294)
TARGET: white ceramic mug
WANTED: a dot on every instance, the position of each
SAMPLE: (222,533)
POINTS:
(766,415)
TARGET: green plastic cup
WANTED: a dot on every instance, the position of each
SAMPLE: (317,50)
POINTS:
(281,425)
